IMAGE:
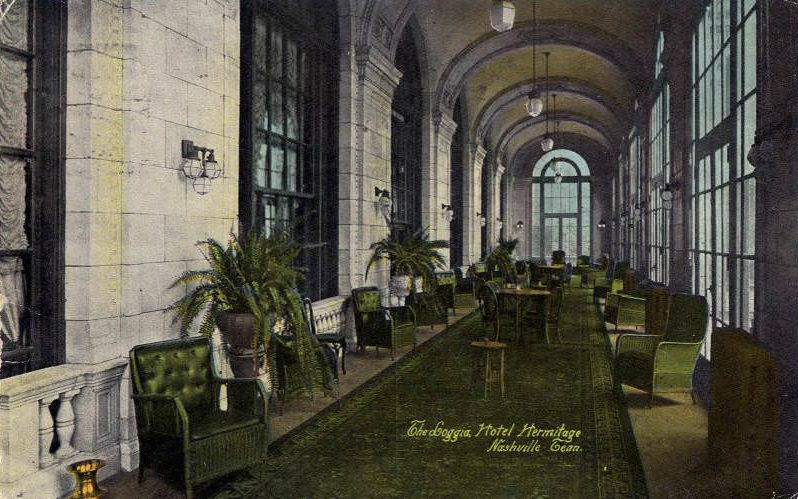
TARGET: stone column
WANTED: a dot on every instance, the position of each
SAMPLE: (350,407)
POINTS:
(368,81)
(438,186)
(496,204)
(472,202)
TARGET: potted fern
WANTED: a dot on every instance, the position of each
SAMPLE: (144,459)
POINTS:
(411,255)
(249,284)
(501,259)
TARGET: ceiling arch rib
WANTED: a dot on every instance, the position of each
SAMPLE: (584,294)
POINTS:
(558,33)
(517,94)
(567,106)
(530,129)
(520,164)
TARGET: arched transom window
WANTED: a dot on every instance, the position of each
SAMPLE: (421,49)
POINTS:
(561,205)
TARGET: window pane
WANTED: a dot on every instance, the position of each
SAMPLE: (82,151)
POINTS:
(277,53)
(292,123)
(14,26)
(261,154)
(291,63)
(277,165)
(277,117)
(292,173)
(260,110)
(13,102)
(13,192)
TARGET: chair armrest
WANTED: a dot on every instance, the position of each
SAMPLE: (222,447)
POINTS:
(612,301)
(631,309)
(645,344)
(673,357)
(400,315)
(161,413)
(247,395)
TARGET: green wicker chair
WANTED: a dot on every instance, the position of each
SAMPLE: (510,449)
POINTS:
(493,318)
(182,428)
(611,282)
(446,288)
(626,309)
(665,363)
(378,326)
(335,339)
(464,288)
(557,257)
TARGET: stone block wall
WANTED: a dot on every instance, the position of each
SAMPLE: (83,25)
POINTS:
(142,76)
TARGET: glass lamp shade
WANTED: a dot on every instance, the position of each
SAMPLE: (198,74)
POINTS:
(602,224)
(547,144)
(384,204)
(499,224)
(666,194)
(483,221)
(667,204)
(534,104)
(502,15)
(519,225)
(212,169)
(558,178)
(202,185)
(449,215)
(192,168)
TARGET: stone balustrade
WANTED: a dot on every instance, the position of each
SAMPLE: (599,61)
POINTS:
(52,417)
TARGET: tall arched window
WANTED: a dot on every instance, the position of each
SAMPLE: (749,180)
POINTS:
(561,205)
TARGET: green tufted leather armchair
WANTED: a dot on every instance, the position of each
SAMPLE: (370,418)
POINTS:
(182,428)
(377,326)
(665,363)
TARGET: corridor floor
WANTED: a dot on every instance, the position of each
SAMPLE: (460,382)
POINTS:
(671,437)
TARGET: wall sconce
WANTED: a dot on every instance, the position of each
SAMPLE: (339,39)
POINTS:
(199,164)
(601,224)
(666,194)
(499,223)
(639,209)
(447,213)
(483,221)
(519,225)
(384,203)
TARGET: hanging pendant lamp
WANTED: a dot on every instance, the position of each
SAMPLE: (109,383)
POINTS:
(547,144)
(502,15)
(534,104)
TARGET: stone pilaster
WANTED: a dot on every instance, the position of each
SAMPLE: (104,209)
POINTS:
(472,203)
(436,188)
(368,81)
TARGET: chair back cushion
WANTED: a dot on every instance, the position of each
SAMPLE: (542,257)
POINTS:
(557,256)
(583,260)
(366,299)
(179,368)
(687,320)
(657,308)
(630,280)
(445,277)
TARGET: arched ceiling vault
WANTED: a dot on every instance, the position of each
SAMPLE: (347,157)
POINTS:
(529,129)
(516,95)
(521,164)
(601,59)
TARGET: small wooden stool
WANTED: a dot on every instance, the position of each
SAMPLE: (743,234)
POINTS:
(491,373)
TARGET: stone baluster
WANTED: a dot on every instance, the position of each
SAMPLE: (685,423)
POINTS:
(65,424)
(46,425)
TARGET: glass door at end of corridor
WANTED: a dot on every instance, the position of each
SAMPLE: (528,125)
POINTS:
(561,232)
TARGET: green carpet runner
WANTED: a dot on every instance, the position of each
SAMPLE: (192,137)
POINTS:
(420,430)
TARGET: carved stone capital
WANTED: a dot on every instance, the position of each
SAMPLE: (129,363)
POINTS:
(375,69)
(445,126)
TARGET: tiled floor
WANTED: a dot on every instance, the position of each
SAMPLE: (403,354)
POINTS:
(671,436)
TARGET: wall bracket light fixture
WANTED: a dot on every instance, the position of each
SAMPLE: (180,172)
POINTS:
(199,165)
(384,203)
(447,212)
(483,220)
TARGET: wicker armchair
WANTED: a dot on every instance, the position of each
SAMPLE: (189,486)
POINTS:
(378,326)
(464,288)
(335,339)
(494,318)
(665,363)
(182,429)
(612,280)
(557,257)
